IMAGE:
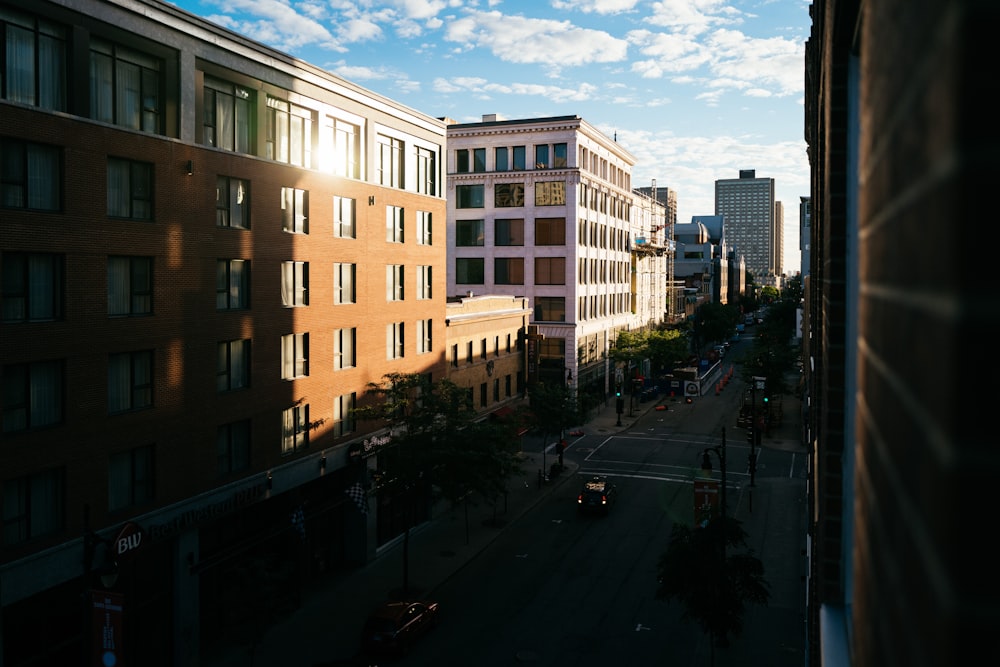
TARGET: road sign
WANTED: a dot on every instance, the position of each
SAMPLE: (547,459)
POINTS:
(706,499)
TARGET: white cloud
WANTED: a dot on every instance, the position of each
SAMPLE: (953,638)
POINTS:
(596,6)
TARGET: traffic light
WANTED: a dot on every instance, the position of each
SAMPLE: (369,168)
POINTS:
(750,435)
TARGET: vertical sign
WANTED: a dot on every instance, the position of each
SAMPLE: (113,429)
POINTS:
(706,500)
(532,359)
(107,629)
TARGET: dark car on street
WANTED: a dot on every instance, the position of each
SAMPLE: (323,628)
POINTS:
(596,495)
(395,625)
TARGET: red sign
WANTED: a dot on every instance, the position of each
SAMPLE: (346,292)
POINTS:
(128,542)
(107,629)
(706,499)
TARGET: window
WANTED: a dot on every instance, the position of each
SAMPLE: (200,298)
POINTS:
(295,428)
(343,283)
(482,395)
(468,353)
(424,336)
(33,395)
(454,355)
(550,270)
(393,282)
(470,233)
(478,159)
(232,284)
(520,157)
(424,228)
(33,506)
(496,389)
(346,147)
(344,341)
(470,196)
(507,232)
(130,381)
(542,157)
(424,283)
(550,309)
(35,64)
(550,193)
(559,155)
(482,348)
(33,287)
(470,270)
(426,171)
(294,284)
(501,159)
(344,214)
(227,116)
(294,356)
(124,87)
(389,161)
(232,202)
(295,210)
(232,447)
(506,386)
(394,340)
(130,286)
(30,175)
(463,163)
(232,365)
(508,270)
(289,130)
(343,415)
(393,224)
(506,195)
(130,478)
(550,231)
(130,189)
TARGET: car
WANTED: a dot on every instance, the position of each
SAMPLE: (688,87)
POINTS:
(396,624)
(597,495)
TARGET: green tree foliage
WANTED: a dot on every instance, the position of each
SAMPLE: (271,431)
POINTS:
(715,322)
(552,408)
(712,572)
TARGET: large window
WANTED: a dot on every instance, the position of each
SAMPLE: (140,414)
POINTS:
(130,189)
(125,87)
(232,202)
(343,283)
(394,282)
(130,478)
(33,506)
(507,232)
(346,137)
(30,175)
(470,232)
(34,70)
(130,381)
(295,428)
(343,414)
(295,210)
(550,193)
(501,159)
(559,156)
(394,341)
(508,270)
(426,171)
(389,161)
(344,216)
(294,356)
(424,282)
(394,224)
(344,342)
(232,447)
(470,270)
(130,286)
(424,228)
(33,287)
(550,231)
(470,196)
(550,309)
(227,116)
(542,157)
(289,132)
(232,284)
(32,395)
(232,365)
(550,270)
(424,336)
(294,284)
(508,194)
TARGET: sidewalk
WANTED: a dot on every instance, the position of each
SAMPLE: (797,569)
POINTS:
(325,630)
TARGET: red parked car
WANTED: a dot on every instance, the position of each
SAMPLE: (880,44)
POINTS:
(393,627)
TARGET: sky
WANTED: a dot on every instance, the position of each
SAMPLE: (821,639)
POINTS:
(695,90)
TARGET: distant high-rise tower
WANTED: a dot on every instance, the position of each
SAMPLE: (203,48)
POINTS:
(747,203)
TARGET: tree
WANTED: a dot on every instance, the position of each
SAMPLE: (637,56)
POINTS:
(715,322)
(667,349)
(553,408)
(700,570)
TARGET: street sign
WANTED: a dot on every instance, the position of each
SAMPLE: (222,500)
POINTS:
(706,499)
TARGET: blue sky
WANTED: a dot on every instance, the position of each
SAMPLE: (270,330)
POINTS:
(695,89)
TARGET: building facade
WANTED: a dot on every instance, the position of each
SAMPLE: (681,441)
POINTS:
(209,249)
(748,206)
(543,208)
